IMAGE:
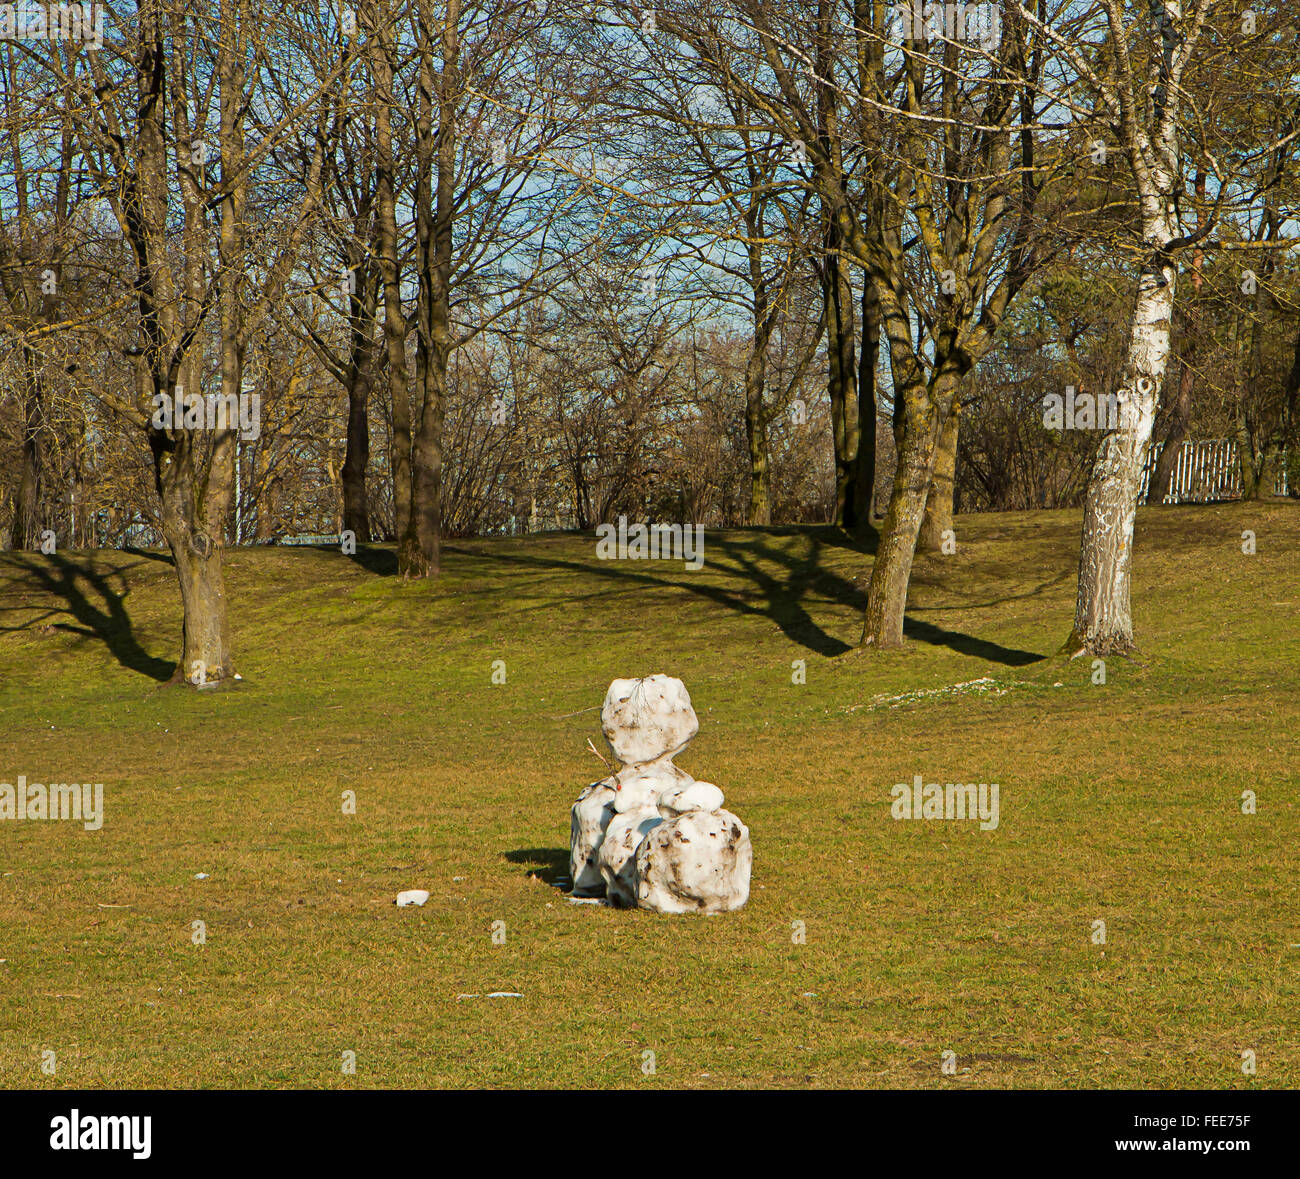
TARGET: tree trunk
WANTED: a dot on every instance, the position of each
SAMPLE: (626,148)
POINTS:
(892,569)
(1248,460)
(195,501)
(194,521)
(939,500)
(1180,417)
(205,655)
(760,492)
(837,289)
(193,517)
(381,64)
(760,495)
(1270,470)
(864,471)
(1290,436)
(27,504)
(841,382)
(418,553)
(1103,623)
(268,508)
(356,510)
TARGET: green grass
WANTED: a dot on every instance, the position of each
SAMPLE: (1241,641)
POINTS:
(1118,802)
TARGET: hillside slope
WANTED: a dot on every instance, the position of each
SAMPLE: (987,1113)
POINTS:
(1118,803)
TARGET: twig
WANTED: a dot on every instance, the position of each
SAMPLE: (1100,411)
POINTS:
(598,753)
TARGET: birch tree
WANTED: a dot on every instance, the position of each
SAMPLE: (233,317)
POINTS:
(1139,85)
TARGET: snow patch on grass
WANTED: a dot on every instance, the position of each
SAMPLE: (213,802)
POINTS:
(984,686)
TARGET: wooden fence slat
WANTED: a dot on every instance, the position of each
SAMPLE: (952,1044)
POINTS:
(1204,471)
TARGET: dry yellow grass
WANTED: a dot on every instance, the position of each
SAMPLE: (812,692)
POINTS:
(1119,803)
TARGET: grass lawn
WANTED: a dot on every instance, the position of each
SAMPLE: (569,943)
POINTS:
(1119,802)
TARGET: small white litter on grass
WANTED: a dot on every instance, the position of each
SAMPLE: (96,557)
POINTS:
(412,896)
(588,901)
(200,876)
(504,995)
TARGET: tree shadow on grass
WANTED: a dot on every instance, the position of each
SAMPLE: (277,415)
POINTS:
(549,864)
(785,588)
(936,636)
(105,619)
(162,557)
(380,562)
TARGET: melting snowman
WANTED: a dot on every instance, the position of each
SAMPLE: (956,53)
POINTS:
(650,835)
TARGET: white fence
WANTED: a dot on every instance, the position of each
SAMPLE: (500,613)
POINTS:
(1204,472)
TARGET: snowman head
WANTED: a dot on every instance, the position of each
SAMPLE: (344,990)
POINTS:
(647,719)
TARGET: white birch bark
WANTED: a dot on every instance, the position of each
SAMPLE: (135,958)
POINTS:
(1147,98)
